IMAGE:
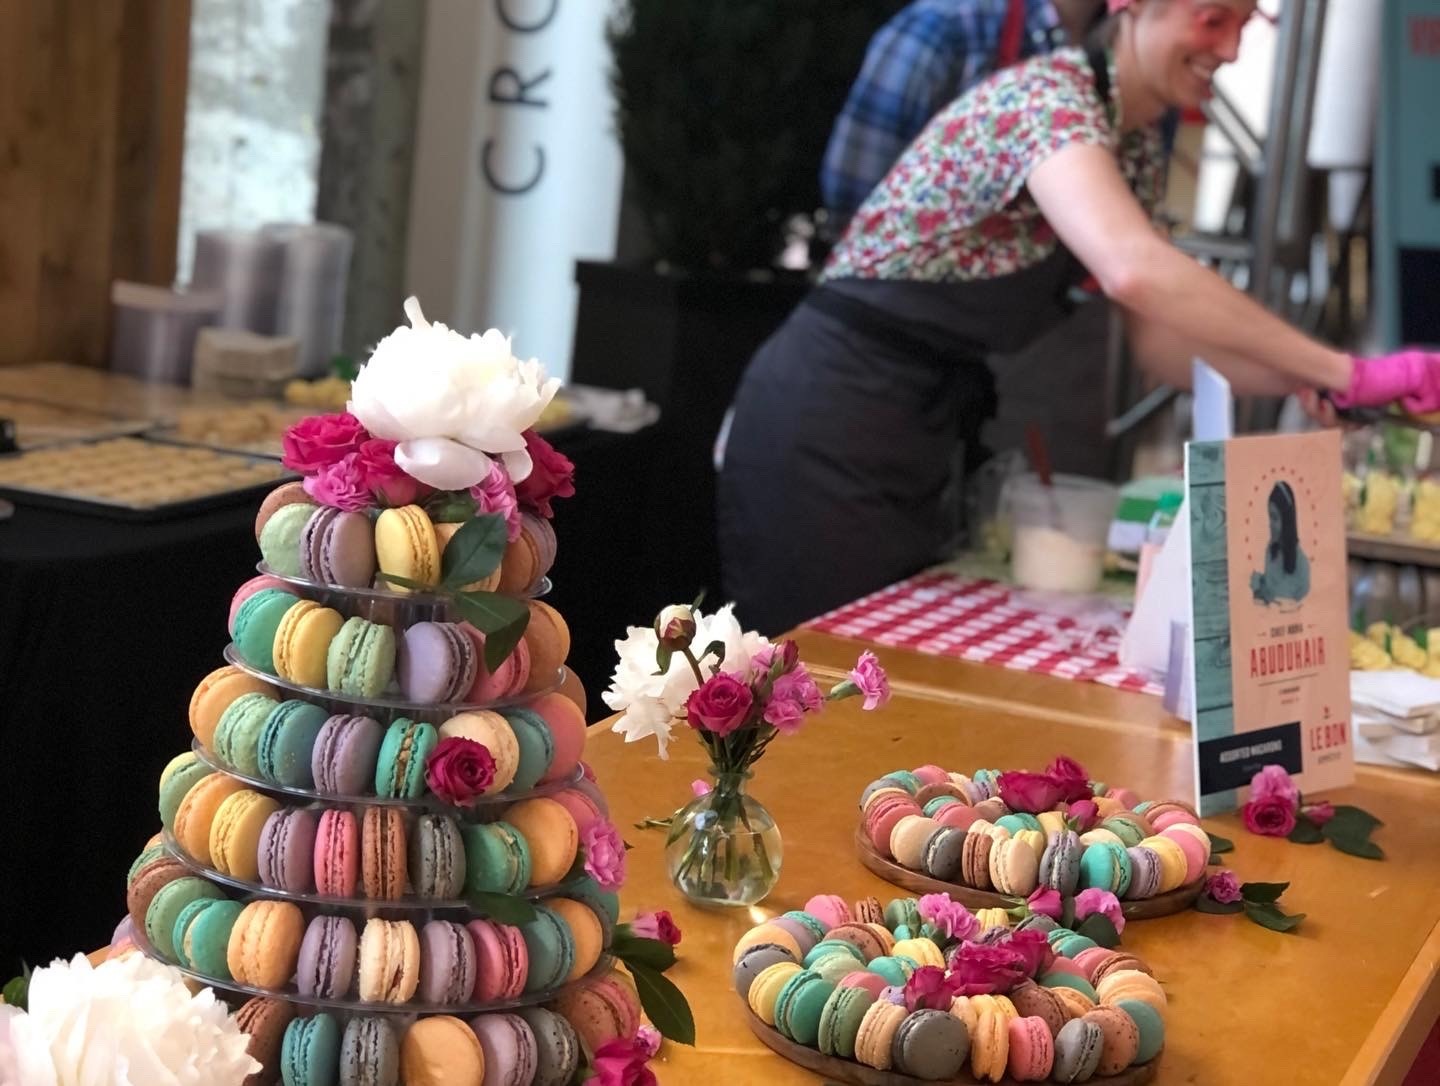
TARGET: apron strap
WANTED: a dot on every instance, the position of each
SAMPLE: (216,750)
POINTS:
(1099,67)
(1011,35)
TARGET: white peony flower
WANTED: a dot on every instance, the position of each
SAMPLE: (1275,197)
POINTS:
(127,1022)
(450,402)
(652,703)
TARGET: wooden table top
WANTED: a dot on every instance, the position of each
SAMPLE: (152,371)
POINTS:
(1348,998)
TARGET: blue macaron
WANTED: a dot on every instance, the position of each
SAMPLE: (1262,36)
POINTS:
(310,1053)
(287,741)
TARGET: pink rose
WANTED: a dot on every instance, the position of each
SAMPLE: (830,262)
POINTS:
(604,854)
(1272,780)
(793,695)
(385,478)
(949,917)
(978,969)
(1319,813)
(720,705)
(1031,946)
(699,787)
(496,494)
(1273,816)
(1100,901)
(321,440)
(649,1038)
(1028,792)
(657,925)
(1071,778)
(341,484)
(459,770)
(928,988)
(1223,887)
(623,1061)
(870,678)
(1046,902)
(551,476)
(1085,812)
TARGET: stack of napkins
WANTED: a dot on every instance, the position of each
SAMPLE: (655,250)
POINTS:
(1397,718)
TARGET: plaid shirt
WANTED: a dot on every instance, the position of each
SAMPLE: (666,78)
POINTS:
(926,56)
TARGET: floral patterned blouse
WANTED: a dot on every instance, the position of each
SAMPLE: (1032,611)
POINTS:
(954,207)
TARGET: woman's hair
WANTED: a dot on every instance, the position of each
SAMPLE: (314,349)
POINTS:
(1282,500)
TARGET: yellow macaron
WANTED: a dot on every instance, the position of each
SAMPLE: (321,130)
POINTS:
(549,829)
(992,918)
(1172,861)
(920,951)
(765,989)
(1100,834)
(1051,822)
(1035,839)
(875,1040)
(990,1046)
(302,642)
(1107,806)
(196,813)
(767,933)
(405,546)
(235,833)
(1133,984)
(1014,867)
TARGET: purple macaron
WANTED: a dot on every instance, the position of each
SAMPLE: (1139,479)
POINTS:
(436,663)
(327,958)
(287,850)
(343,758)
(447,963)
(338,547)
(1144,873)
(511,1054)
(798,931)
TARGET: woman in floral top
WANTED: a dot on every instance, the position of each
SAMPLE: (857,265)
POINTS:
(855,421)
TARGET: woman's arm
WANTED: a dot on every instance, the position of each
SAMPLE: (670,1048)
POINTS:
(1164,353)
(1081,193)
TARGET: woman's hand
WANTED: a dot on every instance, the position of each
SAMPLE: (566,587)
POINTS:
(1318,408)
(1411,378)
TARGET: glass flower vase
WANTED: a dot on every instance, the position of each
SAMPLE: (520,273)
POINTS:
(723,847)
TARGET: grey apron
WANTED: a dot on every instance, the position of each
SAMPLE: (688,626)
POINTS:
(853,424)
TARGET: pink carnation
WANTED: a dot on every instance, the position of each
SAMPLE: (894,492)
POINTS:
(1100,901)
(761,662)
(1223,887)
(342,484)
(793,696)
(657,925)
(623,1061)
(870,678)
(496,494)
(700,787)
(979,969)
(1047,902)
(649,1038)
(949,917)
(1273,781)
(604,854)
(319,441)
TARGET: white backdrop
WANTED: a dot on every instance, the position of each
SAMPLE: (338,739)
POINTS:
(517,170)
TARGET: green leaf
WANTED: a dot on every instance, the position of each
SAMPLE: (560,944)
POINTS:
(1067,913)
(1207,904)
(405,582)
(501,618)
(663,655)
(1306,832)
(1359,846)
(1098,927)
(1348,818)
(1262,893)
(633,950)
(715,648)
(1422,638)
(450,506)
(503,908)
(1273,917)
(16,991)
(474,552)
(699,599)
(664,1004)
(1220,845)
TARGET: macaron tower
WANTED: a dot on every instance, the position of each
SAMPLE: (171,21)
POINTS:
(959,833)
(378,844)
(927,990)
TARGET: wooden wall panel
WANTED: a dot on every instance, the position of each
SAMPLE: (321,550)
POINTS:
(92,101)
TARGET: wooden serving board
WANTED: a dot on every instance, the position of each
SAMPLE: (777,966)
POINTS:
(834,1069)
(917,882)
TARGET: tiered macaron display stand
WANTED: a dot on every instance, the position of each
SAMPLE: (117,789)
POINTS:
(922,830)
(364,902)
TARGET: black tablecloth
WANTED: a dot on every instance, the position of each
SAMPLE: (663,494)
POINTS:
(106,628)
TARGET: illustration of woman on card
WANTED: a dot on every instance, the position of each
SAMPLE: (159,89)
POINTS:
(1286,576)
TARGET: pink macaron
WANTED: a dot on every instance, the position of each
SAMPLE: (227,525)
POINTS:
(502,961)
(248,589)
(505,681)
(957,816)
(932,774)
(567,729)
(830,909)
(1196,854)
(873,983)
(337,853)
(1124,796)
(583,809)
(1090,959)
(884,815)
(1067,966)
(1166,819)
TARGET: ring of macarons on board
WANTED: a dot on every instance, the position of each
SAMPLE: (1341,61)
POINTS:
(929,830)
(924,990)
(375,846)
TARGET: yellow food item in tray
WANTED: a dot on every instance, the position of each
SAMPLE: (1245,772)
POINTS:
(1425,516)
(331,393)
(1365,655)
(1406,652)
(1378,503)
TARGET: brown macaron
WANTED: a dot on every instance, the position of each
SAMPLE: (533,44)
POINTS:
(991,809)
(265,1020)
(1117,962)
(935,791)
(548,638)
(1122,1039)
(861,938)
(384,863)
(148,882)
(1033,1001)
(975,865)
(868,910)
(292,493)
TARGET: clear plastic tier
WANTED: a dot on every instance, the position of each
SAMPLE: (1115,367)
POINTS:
(384,604)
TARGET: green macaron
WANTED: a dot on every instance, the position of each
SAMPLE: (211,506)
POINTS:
(255,625)
(1105,866)
(166,907)
(152,852)
(537,748)
(237,736)
(361,658)
(826,947)
(1151,1025)
(400,766)
(287,741)
(497,858)
(903,910)
(551,948)
(799,1006)
(840,1021)
(1069,980)
(891,969)
(1073,945)
(177,779)
(1017,821)
(202,934)
(280,538)
(310,1053)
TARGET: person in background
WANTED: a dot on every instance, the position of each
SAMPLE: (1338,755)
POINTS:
(929,54)
(842,446)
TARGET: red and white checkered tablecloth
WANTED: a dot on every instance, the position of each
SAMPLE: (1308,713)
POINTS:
(944,614)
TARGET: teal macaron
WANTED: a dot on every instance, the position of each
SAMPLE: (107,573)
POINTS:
(1017,821)
(178,778)
(1072,945)
(827,947)
(799,1006)
(840,1021)
(237,736)
(1069,980)
(1152,1028)
(905,779)
(166,907)
(938,804)
(310,1053)
(280,538)
(892,970)
(1105,866)
(152,852)
(202,935)
(497,858)
(836,967)
(361,658)
(400,765)
(255,625)
(287,741)
(551,948)
(1130,832)
(537,748)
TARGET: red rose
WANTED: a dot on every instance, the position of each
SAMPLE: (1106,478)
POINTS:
(1085,812)
(978,969)
(317,442)
(1272,816)
(1033,949)
(929,988)
(552,475)
(720,705)
(385,478)
(1072,779)
(657,925)
(1029,792)
(623,1061)
(459,770)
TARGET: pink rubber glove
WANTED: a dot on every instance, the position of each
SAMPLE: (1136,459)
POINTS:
(1411,378)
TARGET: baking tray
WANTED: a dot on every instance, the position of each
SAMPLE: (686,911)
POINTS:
(75,501)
